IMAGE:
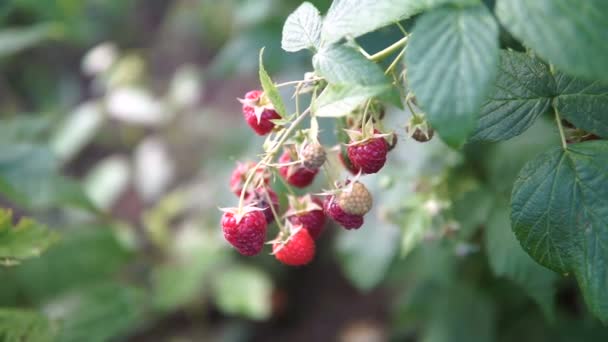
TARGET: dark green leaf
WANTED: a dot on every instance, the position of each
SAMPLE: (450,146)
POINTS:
(80,258)
(560,213)
(26,240)
(340,99)
(570,34)
(344,65)
(14,40)
(507,259)
(461,313)
(302,29)
(18,325)
(30,176)
(451,62)
(270,89)
(522,91)
(583,103)
(100,313)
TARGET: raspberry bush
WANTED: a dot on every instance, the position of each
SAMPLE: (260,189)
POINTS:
(462,79)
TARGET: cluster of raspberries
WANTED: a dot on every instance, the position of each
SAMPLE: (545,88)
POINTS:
(245,227)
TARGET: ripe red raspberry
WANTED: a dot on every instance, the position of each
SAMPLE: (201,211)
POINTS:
(247,232)
(258,111)
(333,210)
(343,156)
(307,212)
(298,250)
(239,175)
(259,197)
(369,155)
(295,175)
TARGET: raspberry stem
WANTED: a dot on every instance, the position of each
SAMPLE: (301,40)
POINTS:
(381,55)
(274,213)
(271,153)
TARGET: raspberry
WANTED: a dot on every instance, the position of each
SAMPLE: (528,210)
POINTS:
(343,156)
(259,197)
(298,250)
(296,175)
(307,212)
(258,111)
(247,232)
(369,155)
(313,156)
(333,210)
(420,135)
(355,200)
(239,175)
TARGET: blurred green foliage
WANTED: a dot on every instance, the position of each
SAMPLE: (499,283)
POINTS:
(132,193)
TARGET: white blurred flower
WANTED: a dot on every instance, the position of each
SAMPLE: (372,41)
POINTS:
(186,87)
(99,59)
(154,169)
(107,181)
(136,106)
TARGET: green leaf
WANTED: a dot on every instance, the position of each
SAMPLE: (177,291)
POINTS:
(302,29)
(365,254)
(583,103)
(270,89)
(24,128)
(17,325)
(344,65)
(570,34)
(461,313)
(244,291)
(451,62)
(100,313)
(417,223)
(99,256)
(340,99)
(522,91)
(356,17)
(560,213)
(14,40)
(26,240)
(508,260)
(29,176)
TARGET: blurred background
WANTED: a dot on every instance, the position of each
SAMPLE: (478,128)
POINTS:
(119,130)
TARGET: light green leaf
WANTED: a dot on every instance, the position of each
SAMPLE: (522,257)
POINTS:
(356,17)
(451,61)
(365,254)
(340,99)
(560,213)
(270,89)
(17,325)
(570,34)
(14,40)
(99,313)
(302,29)
(344,65)
(583,103)
(417,223)
(522,91)
(507,259)
(243,291)
(26,240)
